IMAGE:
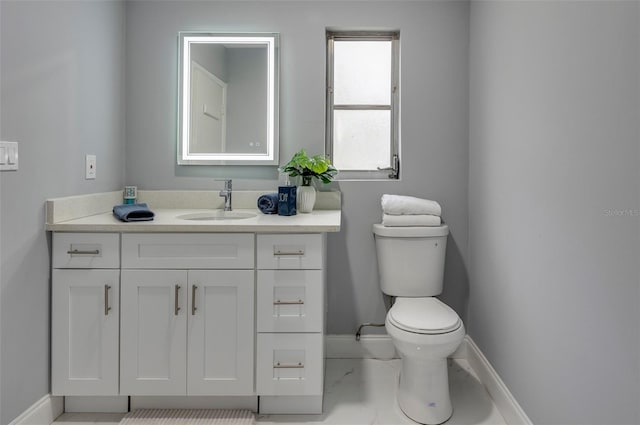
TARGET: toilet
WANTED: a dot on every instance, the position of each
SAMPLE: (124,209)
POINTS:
(424,330)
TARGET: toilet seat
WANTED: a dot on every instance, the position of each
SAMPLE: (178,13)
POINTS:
(423,315)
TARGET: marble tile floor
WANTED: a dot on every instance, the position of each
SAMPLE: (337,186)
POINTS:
(362,391)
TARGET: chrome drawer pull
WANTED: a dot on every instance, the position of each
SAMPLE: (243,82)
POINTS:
(88,252)
(176,307)
(288,366)
(106,300)
(193,300)
(278,302)
(297,253)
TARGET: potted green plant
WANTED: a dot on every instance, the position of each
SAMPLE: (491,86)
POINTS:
(309,168)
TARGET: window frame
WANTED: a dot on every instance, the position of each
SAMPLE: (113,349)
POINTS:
(385,173)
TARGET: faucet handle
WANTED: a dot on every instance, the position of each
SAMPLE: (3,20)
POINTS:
(226,192)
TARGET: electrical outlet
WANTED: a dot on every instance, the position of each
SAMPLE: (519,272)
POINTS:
(90,167)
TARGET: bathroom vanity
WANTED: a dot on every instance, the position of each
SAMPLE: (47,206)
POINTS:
(189,313)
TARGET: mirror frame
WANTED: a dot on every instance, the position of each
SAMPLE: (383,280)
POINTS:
(272,43)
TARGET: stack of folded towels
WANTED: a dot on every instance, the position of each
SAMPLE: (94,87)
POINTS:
(406,211)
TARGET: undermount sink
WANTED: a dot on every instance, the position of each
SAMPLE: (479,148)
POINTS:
(216,215)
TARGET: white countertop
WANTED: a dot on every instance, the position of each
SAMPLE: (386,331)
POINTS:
(92,213)
(166,221)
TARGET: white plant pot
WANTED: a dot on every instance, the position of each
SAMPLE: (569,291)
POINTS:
(306,198)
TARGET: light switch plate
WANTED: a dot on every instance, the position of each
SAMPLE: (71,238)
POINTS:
(90,167)
(8,156)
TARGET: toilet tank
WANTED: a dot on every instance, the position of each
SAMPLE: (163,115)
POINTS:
(411,259)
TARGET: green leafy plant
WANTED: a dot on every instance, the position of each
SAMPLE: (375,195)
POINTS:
(310,167)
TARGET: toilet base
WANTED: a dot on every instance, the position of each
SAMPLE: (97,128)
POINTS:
(423,391)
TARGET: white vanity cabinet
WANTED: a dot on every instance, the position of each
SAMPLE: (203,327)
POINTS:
(187,314)
(290,322)
(85,314)
(157,314)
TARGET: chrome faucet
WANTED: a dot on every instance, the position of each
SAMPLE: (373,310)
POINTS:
(226,193)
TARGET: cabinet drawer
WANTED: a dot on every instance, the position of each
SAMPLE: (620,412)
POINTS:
(86,250)
(289,364)
(188,250)
(290,300)
(299,251)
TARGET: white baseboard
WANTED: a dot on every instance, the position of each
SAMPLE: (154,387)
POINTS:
(249,402)
(291,405)
(502,397)
(96,404)
(42,412)
(369,347)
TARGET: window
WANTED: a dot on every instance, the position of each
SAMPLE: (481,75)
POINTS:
(362,134)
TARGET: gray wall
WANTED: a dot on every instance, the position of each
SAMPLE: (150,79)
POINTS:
(434,44)
(62,97)
(554,210)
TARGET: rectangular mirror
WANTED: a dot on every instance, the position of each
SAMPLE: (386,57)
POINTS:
(228,85)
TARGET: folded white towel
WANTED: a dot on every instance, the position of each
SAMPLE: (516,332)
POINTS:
(410,220)
(399,205)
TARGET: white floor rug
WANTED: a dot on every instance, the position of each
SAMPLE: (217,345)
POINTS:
(189,417)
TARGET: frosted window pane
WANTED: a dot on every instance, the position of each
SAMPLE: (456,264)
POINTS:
(361,139)
(362,73)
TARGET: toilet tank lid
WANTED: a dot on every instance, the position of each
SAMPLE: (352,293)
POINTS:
(411,232)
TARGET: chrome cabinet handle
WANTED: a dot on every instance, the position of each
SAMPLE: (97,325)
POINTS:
(176,306)
(295,253)
(288,366)
(278,302)
(80,252)
(107,308)
(193,300)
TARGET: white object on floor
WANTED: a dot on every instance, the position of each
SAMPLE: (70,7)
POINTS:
(189,417)
(424,330)
(400,204)
(408,220)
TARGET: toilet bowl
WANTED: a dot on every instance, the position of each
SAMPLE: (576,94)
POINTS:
(425,332)
(423,329)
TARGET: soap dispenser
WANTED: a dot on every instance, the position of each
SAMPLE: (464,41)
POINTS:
(287,198)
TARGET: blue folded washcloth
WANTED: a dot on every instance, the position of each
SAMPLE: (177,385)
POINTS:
(268,203)
(133,212)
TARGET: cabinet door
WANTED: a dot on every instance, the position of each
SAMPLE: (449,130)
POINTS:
(221,332)
(153,333)
(84,351)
